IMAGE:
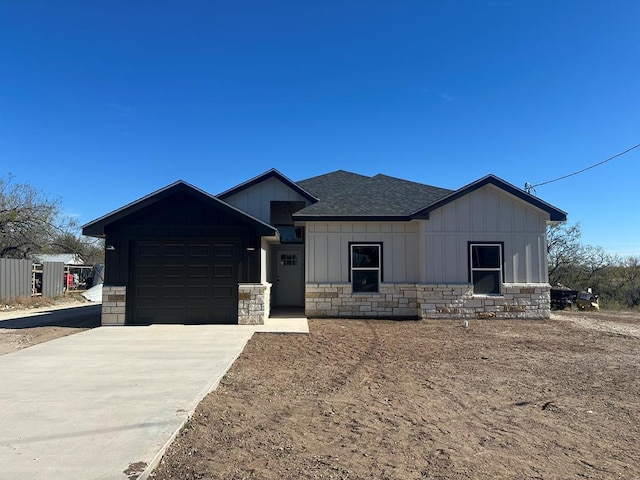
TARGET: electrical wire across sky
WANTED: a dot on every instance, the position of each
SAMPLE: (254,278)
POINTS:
(528,187)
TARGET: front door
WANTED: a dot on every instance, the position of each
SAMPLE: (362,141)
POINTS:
(289,279)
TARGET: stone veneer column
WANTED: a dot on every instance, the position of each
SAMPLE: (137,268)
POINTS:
(114,302)
(254,303)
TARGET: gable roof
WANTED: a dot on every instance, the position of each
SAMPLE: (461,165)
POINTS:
(96,227)
(273,173)
(346,195)
(349,196)
(555,214)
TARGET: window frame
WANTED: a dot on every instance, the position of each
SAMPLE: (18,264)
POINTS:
(379,268)
(499,269)
(289,259)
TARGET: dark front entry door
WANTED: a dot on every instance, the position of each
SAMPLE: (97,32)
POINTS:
(289,289)
(186,281)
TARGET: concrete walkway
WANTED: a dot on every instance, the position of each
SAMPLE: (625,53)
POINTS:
(105,403)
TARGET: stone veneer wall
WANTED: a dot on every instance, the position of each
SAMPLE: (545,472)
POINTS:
(427,301)
(254,300)
(518,300)
(114,302)
(336,300)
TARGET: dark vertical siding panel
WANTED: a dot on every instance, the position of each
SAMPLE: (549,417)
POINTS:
(15,278)
(52,279)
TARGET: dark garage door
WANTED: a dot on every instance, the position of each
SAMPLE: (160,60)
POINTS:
(185,282)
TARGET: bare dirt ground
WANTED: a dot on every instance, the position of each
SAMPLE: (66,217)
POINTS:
(22,326)
(375,399)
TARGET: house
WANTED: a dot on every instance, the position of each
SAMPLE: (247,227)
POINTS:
(339,245)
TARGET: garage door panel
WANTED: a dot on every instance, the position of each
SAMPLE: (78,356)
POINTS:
(220,292)
(174,250)
(149,250)
(150,293)
(145,315)
(185,282)
(173,271)
(149,315)
(224,251)
(195,314)
(222,315)
(199,250)
(195,293)
(168,314)
(223,271)
(198,271)
(147,271)
(171,291)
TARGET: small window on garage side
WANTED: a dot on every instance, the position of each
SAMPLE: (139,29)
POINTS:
(486,268)
(365,267)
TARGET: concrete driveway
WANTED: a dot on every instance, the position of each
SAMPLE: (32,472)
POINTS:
(104,403)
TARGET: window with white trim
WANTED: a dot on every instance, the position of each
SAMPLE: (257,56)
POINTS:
(486,267)
(365,267)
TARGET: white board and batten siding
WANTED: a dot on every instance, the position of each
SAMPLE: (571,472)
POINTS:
(486,215)
(256,200)
(327,252)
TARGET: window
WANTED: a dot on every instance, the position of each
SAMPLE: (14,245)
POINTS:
(486,268)
(365,261)
(286,259)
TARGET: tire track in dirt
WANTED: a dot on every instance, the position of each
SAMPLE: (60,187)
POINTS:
(601,325)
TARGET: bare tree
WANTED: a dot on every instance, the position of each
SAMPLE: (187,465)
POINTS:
(578,266)
(91,250)
(564,249)
(28,219)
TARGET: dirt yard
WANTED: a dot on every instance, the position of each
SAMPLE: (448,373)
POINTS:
(374,399)
(39,323)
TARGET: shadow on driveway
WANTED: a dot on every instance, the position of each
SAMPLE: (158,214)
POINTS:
(83,316)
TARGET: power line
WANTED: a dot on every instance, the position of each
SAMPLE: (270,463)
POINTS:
(528,187)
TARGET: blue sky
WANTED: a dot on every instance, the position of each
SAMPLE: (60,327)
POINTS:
(104,102)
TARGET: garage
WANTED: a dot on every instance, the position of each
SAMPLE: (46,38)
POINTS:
(188,282)
(181,256)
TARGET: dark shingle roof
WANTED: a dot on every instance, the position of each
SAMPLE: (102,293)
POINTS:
(346,194)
